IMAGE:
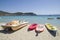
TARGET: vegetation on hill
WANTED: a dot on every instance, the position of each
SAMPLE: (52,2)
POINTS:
(2,13)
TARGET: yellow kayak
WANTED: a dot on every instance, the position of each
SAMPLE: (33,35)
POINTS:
(50,27)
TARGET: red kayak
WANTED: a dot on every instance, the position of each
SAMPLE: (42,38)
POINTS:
(32,26)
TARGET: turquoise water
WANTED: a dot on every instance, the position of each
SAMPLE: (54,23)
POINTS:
(32,19)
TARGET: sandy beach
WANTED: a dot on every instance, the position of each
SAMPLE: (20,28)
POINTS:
(24,34)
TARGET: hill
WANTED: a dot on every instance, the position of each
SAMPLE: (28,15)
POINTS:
(2,13)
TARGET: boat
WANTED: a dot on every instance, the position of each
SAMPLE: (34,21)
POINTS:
(19,27)
(32,26)
(50,27)
(58,17)
(50,18)
(15,27)
(40,28)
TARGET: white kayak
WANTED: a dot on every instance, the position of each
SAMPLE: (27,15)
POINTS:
(40,28)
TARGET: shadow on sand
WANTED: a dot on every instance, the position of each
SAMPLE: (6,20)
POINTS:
(7,31)
(37,33)
(29,30)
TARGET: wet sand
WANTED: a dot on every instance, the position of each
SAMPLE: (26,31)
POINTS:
(24,34)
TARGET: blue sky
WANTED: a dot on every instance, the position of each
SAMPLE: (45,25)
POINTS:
(41,7)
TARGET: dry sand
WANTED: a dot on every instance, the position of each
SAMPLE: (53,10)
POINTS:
(24,34)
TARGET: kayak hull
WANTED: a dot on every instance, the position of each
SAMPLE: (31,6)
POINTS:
(19,27)
(40,28)
(51,28)
(14,28)
(32,26)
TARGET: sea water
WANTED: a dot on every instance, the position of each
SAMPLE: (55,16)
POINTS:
(32,19)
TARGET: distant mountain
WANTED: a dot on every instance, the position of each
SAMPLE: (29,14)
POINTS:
(2,13)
